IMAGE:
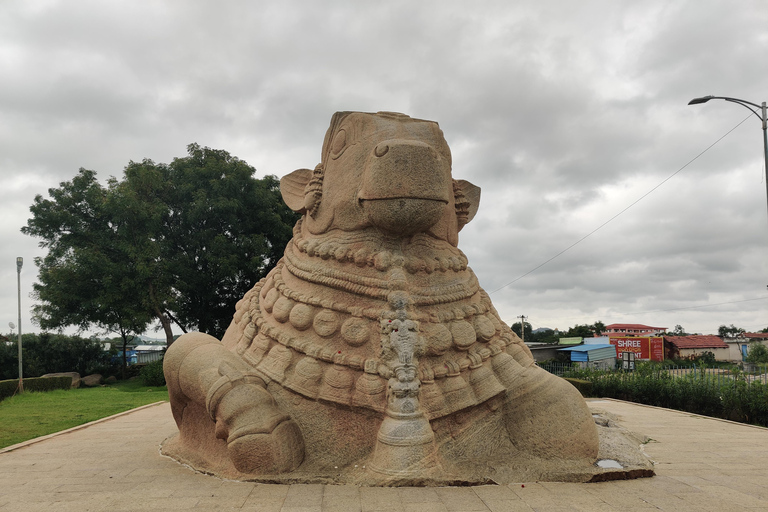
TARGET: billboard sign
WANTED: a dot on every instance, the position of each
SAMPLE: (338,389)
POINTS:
(648,348)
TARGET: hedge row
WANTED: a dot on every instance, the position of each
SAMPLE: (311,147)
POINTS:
(9,388)
(732,398)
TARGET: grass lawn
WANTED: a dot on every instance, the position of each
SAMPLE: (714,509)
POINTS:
(31,415)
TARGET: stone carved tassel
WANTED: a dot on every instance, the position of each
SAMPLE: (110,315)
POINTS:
(405,444)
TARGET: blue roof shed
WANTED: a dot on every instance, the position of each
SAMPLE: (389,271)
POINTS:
(584,353)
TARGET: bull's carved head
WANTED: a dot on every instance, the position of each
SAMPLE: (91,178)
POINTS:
(383,170)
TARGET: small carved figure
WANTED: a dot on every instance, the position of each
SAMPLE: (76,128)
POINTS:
(371,344)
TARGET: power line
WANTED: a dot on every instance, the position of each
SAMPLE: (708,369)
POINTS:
(534,269)
(695,307)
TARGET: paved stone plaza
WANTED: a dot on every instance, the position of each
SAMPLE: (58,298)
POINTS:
(114,465)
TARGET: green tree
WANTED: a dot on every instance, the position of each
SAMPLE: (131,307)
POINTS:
(88,278)
(677,331)
(180,243)
(757,353)
(598,328)
(225,230)
(528,331)
(729,332)
(544,336)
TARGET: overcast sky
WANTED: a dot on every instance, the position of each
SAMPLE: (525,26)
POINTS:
(564,114)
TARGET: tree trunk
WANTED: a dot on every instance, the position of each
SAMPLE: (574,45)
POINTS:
(164,320)
(125,356)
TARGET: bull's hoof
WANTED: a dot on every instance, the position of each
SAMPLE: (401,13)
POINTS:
(279,451)
(261,438)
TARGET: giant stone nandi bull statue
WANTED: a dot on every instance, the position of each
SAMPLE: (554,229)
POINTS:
(370,354)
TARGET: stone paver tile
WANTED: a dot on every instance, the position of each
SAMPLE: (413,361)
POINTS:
(621,500)
(263,504)
(303,496)
(495,492)
(313,508)
(733,496)
(594,506)
(219,502)
(516,505)
(139,503)
(342,503)
(126,489)
(380,498)
(25,506)
(270,491)
(424,506)
(341,490)
(460,498)
(418,495)
(707,503)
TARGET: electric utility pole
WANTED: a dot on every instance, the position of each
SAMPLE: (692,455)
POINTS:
(522,327)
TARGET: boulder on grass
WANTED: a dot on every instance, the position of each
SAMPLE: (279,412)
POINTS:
(75,377)
(91,381)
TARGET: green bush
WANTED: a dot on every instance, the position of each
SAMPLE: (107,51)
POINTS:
(698,391)
(8,387)
(584,386)
(152,374)
(758,353)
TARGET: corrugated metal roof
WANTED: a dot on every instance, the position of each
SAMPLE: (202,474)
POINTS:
(584,348)
(584,353)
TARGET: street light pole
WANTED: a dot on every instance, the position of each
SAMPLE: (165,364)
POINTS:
(19,263)
(762,116)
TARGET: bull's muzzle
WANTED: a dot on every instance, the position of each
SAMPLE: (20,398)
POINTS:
(406,186)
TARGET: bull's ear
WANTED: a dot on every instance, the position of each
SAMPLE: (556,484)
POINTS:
(292,188)
(467,201)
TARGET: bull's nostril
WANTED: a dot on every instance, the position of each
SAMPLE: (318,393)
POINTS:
(381,150)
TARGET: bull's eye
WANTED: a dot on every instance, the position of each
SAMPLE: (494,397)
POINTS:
(339,143)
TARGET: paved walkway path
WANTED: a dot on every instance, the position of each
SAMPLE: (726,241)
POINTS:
(703,464)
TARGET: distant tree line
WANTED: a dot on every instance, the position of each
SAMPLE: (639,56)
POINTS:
(52,353)
(552,336)
(174,243)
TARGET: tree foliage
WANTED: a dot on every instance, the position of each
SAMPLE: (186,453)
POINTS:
(225,230)
(677,331)
(50,353)
(528,331)
(552,336)
(87,278)
(169,242)
(729,332)
(757,353)
(586,330)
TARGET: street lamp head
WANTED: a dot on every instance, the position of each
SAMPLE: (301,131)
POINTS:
(19,263)
(703,99)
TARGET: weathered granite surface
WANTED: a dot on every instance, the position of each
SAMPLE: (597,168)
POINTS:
(370,354)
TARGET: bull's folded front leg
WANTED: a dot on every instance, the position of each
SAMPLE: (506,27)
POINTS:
(545,415)
(260,437)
